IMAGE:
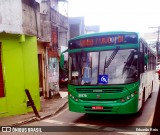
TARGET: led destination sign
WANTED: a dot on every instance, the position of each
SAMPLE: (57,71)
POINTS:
(104,40)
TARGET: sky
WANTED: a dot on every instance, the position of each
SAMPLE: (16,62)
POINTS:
(112,15)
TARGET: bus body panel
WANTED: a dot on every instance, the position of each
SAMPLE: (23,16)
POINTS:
(146,86)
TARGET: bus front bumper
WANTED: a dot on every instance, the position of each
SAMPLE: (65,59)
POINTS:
(128,107)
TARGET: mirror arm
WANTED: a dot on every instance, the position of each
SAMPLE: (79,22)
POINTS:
(65,51)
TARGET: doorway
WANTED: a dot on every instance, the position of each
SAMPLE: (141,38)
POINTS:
(40,66)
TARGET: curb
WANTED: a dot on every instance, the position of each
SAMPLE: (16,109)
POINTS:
(41,118)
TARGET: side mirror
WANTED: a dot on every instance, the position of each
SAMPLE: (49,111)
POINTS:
(62,61)
(146,59)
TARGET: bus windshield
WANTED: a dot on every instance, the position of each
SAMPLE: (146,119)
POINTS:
(103,67)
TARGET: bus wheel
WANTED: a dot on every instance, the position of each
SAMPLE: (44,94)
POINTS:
(139,113)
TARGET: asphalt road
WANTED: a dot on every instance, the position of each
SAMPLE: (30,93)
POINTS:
(66,121)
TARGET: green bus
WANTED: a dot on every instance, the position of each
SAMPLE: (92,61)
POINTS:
(109,73)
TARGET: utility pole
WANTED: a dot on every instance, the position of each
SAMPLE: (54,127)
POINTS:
(157,43)
(156,118)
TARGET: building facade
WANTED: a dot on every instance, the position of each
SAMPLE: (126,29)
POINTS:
(18,56)
(92,29)
(31,37)
(53,37)
(77,27)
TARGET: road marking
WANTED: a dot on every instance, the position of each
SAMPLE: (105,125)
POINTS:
(107,129)
(53,121)
(85,125)
(88,125)
(60,113)
(81,124)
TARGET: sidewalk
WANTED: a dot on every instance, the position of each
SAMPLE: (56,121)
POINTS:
(49,107)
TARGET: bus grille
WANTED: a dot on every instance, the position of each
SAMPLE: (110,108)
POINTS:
(99,90)
(95,100)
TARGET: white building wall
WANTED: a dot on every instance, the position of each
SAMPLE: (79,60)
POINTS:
(11,16)
(63,43)
(63,39)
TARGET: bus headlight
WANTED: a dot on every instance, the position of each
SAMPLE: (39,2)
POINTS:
(128,97)
(74,98)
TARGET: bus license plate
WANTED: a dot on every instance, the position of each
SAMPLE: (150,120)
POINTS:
(97,107)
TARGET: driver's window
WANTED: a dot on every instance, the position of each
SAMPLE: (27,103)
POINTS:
(86,68)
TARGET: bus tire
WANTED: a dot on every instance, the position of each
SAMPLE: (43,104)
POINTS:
(139,113)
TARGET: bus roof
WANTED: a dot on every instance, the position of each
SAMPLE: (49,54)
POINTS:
(102,34)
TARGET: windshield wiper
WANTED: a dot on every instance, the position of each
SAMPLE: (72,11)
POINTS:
(110,58)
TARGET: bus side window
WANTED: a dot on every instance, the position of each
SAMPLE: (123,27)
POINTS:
(141,57)
(145,59)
